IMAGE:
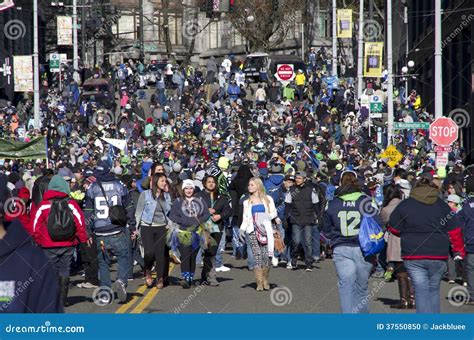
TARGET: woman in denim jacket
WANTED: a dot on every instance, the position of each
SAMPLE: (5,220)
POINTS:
(152,208)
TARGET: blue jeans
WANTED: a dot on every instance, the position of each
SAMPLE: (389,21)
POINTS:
(113,245)
(237,246)
(353,272)
(470,274)
(316,246)
(297,239)
(220,249)
(250,258)
(426,278)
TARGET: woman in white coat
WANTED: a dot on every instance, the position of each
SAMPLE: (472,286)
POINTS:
(258,213)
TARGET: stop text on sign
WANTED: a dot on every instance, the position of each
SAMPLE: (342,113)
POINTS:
(443,131)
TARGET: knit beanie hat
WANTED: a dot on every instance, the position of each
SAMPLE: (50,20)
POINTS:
(58,183)
(223,163)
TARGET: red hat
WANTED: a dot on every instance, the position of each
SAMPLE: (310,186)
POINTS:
(149,120)
(262,165)
(24,193)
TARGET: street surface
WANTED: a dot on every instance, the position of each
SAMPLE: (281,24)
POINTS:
(291,292)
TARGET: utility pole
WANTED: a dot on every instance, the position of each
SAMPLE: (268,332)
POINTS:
(334,38)
(142,38)
(438,59)
(83,31)
(36,66)
(75,42)
(390,72)
(360,52)
(302,42)
(405,20)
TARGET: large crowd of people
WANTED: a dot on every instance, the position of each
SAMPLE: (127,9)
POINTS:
(280,175)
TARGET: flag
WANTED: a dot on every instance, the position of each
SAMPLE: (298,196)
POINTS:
(373,59)
(344,23)
(120,144)
(19,150)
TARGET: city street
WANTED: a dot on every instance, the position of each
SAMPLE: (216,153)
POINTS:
(291,292)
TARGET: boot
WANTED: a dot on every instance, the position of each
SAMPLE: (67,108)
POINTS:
(212,275)
(148,279)
(266,273)
(259,278)
(63,290)
(402,279)
(411,295)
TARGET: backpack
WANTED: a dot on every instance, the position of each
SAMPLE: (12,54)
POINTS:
(61,225)
(275,192)
(371,236)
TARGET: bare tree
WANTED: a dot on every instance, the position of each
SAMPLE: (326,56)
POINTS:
(272,19)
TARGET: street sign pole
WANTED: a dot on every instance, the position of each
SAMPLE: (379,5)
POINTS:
(60,80)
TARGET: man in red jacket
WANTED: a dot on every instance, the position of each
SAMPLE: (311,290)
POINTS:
(60,254)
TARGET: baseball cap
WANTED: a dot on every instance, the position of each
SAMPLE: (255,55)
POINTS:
(301,174)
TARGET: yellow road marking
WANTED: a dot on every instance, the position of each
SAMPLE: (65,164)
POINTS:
(129,304)
(149,297)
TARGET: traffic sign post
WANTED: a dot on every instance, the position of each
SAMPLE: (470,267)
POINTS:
(411,126)
(393,155)
(376,104)
(55,66)
(285,72)
(439,148)
(54,62)
(442,159)
(444,131)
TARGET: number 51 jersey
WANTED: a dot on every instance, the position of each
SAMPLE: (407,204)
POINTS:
(97,207)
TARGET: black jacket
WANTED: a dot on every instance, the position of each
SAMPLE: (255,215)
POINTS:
(221,206)
(302,204)
(29,283)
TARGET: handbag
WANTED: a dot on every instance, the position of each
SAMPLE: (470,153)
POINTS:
(117,213)
(260,232)
(279,242)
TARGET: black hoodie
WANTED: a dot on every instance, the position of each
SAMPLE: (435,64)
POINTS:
(28,284)
(239,186)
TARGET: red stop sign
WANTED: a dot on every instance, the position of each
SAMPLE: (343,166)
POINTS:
(444,131)
(285,72)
